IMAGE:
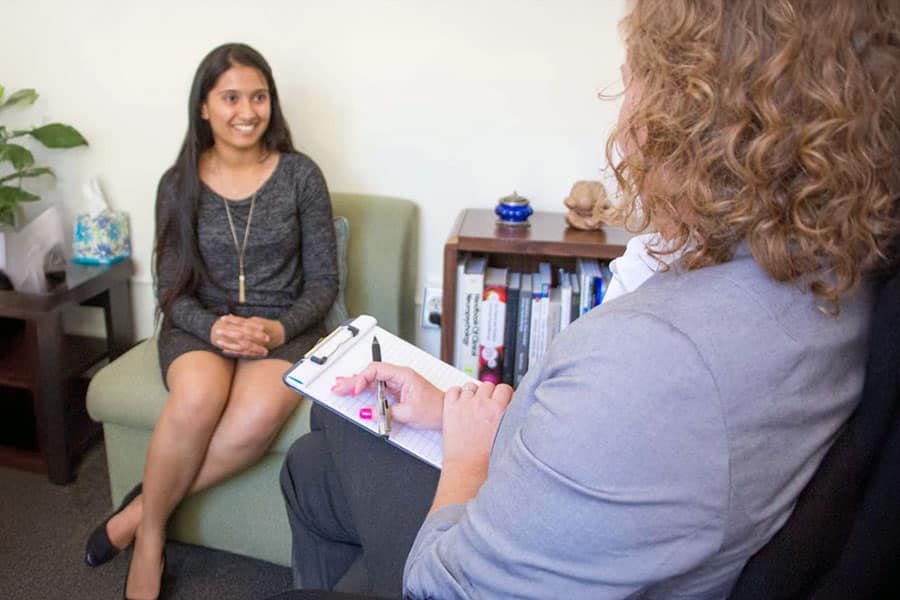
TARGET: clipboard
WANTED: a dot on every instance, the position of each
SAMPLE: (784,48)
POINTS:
(348,350)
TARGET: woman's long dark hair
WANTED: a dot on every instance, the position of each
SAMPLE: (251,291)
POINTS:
(176,216)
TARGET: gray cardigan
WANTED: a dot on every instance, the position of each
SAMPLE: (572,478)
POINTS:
(661,442)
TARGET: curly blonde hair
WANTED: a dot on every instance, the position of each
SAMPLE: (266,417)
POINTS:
(775,122)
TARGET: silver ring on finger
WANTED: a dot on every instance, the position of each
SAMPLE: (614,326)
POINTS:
(470,387)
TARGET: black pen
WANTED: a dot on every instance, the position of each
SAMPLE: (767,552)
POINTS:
(384,411)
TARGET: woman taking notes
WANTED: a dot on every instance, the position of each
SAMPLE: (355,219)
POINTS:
(666,434)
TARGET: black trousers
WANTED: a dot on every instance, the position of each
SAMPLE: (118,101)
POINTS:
(355,504)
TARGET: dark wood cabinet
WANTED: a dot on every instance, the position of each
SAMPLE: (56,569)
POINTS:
(42,384)
(547,238)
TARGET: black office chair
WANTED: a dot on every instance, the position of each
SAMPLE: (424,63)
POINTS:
(842,540)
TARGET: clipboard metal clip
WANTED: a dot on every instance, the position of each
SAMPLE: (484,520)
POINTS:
(327,346)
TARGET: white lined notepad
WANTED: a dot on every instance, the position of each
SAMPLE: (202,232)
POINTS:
(346,354)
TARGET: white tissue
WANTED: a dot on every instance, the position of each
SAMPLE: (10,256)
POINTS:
(93,195)
(26,249)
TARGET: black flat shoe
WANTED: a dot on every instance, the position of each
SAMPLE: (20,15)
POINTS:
(164,584)
(99,549)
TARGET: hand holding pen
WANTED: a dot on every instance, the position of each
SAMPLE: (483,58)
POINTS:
(384,411)
(417,401)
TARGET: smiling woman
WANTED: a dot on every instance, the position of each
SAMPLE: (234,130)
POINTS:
(238,108)
(246,272)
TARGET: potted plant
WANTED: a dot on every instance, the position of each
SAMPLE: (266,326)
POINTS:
(21,160)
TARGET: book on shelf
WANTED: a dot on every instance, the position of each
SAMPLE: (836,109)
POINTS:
(606,274)
(565,299)
(588,271)
(472,286)
(576,297)
(492,326)
(523,328)
(513,286)
(540,312)
(459,318)
(554,312)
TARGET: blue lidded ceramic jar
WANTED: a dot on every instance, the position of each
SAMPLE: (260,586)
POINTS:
(513,210)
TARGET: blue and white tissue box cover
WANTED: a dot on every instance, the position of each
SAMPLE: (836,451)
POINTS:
(102,239)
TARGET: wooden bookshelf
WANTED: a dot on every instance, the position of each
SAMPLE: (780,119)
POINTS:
(548,238)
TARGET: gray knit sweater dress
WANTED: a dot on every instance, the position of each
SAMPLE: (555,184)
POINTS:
(290,263)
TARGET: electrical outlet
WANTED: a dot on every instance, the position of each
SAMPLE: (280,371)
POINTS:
(431,307)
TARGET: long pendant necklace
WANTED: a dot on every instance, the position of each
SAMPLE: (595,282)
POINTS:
(240,249)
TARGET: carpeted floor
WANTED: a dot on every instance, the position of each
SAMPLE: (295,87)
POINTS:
(43,528)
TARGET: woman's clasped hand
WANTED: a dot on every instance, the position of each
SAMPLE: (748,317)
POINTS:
(253,336)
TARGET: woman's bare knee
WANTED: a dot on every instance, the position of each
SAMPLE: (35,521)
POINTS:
(194,409)
(256,421)
(258,406)
(199,384)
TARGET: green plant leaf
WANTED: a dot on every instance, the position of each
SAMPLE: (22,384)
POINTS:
(58,135)
(27,96)
(19,156)
(35,172)
(7,216)
(10,196)
(2,89)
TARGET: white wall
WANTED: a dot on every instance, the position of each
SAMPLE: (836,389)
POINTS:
(450,104)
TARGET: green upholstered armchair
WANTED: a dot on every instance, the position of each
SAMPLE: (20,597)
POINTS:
(246,514)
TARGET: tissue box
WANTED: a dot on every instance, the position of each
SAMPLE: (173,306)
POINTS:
(102,239)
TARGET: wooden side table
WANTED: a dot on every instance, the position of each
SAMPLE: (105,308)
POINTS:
(41,365)
(547,238)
